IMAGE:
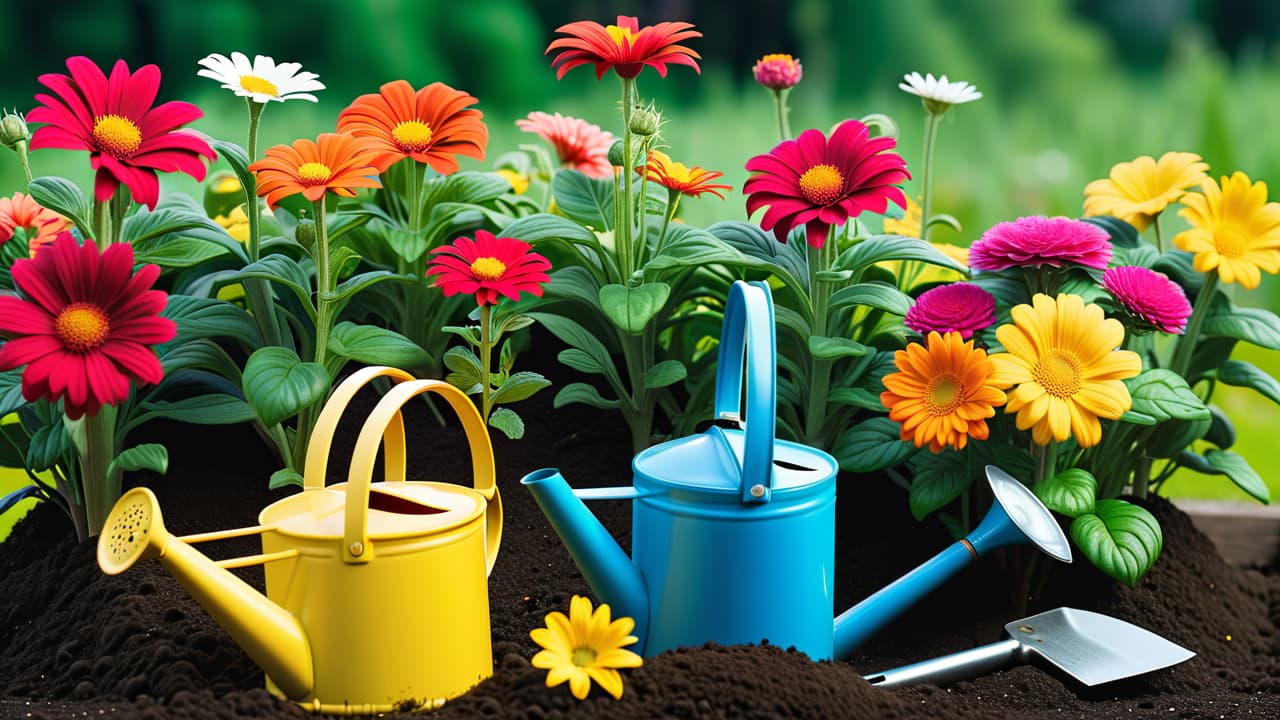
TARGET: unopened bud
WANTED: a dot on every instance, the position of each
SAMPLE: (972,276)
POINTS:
(617,153)
(305,233)
(13,129)
(645,121)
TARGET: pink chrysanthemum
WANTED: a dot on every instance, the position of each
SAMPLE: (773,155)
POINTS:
(959,307)
(580,145)
(816,182)
(1150,297)
(489,266)
(778,72)
(1038,240)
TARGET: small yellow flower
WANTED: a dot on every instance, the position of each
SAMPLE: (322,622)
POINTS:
(585,646)
(1234,230)
(236,223)
(227,184)
(1139,190)
(519,182)
(909,225)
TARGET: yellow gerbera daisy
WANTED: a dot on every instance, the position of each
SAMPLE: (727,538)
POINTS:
(1233,229)
(1139,190)
(942,393)
(1064,368)
(585,646)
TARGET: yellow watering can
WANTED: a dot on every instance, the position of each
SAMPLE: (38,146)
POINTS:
(377,592)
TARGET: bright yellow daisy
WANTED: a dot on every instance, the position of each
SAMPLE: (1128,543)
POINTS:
(585,646)
(942,393)
(1064,368)
(1234,230)
(1139,190)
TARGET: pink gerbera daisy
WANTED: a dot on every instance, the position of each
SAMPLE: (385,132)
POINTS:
(1038,240)
(489,266)
(959,307)
(1150,297)
(85,325)
(580,145)
(128,140)
(816,182)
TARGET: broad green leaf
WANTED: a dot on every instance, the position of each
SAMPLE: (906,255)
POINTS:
(213,409)
(872,445)
(577,337)
(872,294)
(1174,435)
(14,444)
(518,387)
(238,158)
(408,245)
(879,248)
(171,237)
(354,284)
(586,394)
(1119,538)
(786,261)
(468,186)
(1071,492)
(11,391)
(586,200)
(1253,325)
(65,198)
(857,397)
(278,384)
(937,483)
(574,283)
(506,420)
(147,456)
(284,478)
(1164,395)
(830,348)
(691,247)
(543,227)
(1222,432)
(466,372)
(1243,374)
(48,444)
(209,318)
(1123,235)
(1235,467)
(631,309)
(376,346)
(285,271)
(667,372)
(199,354)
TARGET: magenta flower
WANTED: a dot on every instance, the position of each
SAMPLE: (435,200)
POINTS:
(1150,297)
(1039,240)
(816,182)
(959,307)
(778,72)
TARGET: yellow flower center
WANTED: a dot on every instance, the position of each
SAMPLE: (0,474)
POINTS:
(314,173)
(1059,373)
(412,136)
(82,326)
(255,84)
(1230,241)
(821,184)
(944,395)
(620,34)
(117,136)
(584,657)
(488,268)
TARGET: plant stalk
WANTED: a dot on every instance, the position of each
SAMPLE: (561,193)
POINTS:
(931,125)
(21,148)
(258,290)
(101,484)
(324,323)
(1155,220)
(623,232)
(819,369)
(780,107)
(1186,346)
(486,359)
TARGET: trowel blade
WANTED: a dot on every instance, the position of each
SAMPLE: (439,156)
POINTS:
(1094,648)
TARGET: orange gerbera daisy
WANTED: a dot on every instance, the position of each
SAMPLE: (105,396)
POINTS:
(335,162)
(431,126)
(41,224)
(942,393)
(626,48)
(675,176)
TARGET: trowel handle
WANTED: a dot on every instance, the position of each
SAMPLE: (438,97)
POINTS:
(748,347)
(949,668)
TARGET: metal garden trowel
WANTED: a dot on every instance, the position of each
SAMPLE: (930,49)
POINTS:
(1090,647)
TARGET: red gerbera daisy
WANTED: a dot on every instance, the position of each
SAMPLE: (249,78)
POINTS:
(86,326)
(489,266)
(818,183)
(579,144)
(626,47)
(128,140)
(41,224)
(430,125)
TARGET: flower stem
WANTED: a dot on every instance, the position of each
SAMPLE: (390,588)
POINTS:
(101,484)
(820,369)
(780,107)
(259,291)
(102,224)
(324,322)
(486,358)
(1186,346)
(21,149)
(623,231)
(119,205)
(673,203)
(1155,220)
(931,125)
(1048,462)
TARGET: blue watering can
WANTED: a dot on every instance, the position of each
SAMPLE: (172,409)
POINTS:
(733,530)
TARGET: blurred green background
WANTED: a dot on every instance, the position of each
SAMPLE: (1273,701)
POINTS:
(1070,89)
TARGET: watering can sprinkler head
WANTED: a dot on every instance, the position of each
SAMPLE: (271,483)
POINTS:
(1018,516)
(133,531)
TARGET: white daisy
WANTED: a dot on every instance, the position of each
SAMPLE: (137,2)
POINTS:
(262,80)
(939,94)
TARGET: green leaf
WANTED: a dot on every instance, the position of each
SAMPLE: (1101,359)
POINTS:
(586,200)
(199,354)
(667,372)
(592,351)
(1164,395)
(506,420)
(871,445)
(879,248)
(376,346)
(198,317)
(408,245)
(631,309)
(858,397)
(518,387)
(691,247)
(586,394)
(278,384)
(830,348)
(1137,418)
(1253,325)
(543,227)
(1071,492)
(1122,234)
(11,391)
(1119,538)
(937,483)
(172,237)
(214,409)
(786,261)
(1243,374)
(147,456)
(65,198)
(284,478)
(872,294)
(1174,435)
(239,160)
(285,271)
(354,284)
(1222,432)
(1235,467)
(466,372)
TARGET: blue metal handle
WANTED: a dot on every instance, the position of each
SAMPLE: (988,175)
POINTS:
(748,347)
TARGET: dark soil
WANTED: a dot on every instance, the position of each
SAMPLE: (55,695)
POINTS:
(76,643)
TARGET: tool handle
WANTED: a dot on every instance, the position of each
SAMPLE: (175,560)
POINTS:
(949,668)
(748,347)
(317,462)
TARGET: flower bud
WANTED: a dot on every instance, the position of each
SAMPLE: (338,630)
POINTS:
(305,233)
(617,153)
(13,129)
(778,72)
(645,121)
(222,193)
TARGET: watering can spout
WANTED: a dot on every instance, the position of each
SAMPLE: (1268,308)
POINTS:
(607,569)
(267,632)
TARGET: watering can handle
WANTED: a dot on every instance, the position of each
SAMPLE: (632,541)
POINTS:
(387,414)
(317,464)
(748,344)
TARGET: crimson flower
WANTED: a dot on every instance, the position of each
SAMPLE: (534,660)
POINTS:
(1038,240)
(128,140)
(816,182)
(626,47)
(958,307)
(1149,297)
(580,145)
(85,325)
(489,266)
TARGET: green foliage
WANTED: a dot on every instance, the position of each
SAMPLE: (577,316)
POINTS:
(1119,538)
(278,384)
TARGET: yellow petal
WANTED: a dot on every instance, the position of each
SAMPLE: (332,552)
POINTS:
(608,679)
(579,683)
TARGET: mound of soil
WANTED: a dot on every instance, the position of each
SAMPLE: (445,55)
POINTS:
(75,642)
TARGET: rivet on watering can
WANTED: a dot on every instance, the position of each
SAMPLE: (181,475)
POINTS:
(757,491)
(357,548)
(1026,629)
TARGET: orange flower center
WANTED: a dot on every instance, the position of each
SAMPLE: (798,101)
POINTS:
(1230,241)
(82,326)
(821,184)
(314,173)
(412,136)
(1059,373)
(944,395)
(584,657)
(117,136)
(255,84)
(488,268)
(620,35)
